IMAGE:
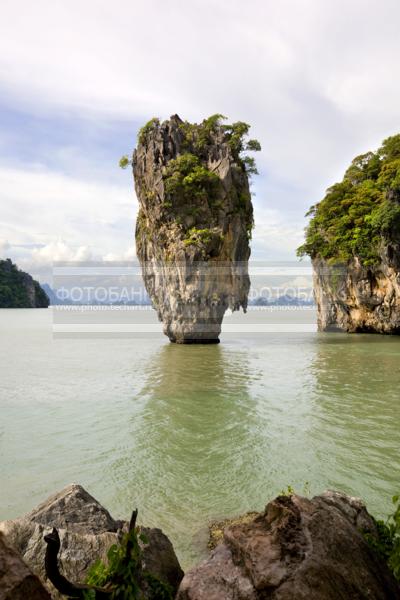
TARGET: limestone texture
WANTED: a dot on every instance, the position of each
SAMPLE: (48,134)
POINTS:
(353,240)
(358,299)
(297,549)
(86,531)
(17,582)
(193,226)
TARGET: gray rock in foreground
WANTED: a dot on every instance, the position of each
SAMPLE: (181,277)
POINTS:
(298,549)
(17,582)
(87,531)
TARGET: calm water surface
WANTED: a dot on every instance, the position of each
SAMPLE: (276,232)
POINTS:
(192,433)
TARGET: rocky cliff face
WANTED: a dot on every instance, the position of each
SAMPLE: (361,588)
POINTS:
(87,530)
(296,549)
(353,239)
(17,582)
(19,289)
(194,223)
(355,298)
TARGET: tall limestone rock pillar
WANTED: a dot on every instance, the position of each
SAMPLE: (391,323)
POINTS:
(194,223)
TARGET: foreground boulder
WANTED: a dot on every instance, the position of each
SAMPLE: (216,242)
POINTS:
(194,222)
(297,549)
(17,582)
(87,531)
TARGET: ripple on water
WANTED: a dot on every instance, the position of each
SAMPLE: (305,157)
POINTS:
(192,433)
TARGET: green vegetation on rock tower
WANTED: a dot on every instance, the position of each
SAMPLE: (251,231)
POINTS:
(361,213)
(193,191)
(198,136)
(186,178)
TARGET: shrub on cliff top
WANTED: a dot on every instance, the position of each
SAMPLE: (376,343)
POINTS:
(197,136)
(200,135)
(185,177)
(360,213)
(145,130)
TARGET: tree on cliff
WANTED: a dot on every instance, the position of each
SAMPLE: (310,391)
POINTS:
(361,213)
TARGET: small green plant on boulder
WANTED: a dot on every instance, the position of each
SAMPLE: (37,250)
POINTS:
(123,573)
(387,543)
(290,491)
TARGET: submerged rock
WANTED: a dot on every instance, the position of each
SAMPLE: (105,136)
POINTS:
(17,582)
(87,531)
(194,222)
(297,549)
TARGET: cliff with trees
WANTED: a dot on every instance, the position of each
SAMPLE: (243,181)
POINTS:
(353,239)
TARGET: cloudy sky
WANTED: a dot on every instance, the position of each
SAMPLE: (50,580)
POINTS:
(317,80)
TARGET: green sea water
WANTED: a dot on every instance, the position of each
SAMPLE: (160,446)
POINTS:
(188,434)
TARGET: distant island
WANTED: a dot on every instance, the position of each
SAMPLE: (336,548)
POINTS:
(285,300)
(19,289)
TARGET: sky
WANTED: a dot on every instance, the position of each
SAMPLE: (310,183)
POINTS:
(316,79)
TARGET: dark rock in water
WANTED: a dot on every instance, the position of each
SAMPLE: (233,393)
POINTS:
(87,531)
(19,289)
(17,582)
(194,223)
(298,549)
(159,558)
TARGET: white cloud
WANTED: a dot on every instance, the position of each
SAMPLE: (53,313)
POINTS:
(41,206)
(47,216)
(4,247)
(132,59)
(126,255)
(60,251)
(276,236)
(317,81)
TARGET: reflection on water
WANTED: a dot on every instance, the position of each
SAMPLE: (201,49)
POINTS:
(225,428)
(198,441)
(187,434)
(357,414)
